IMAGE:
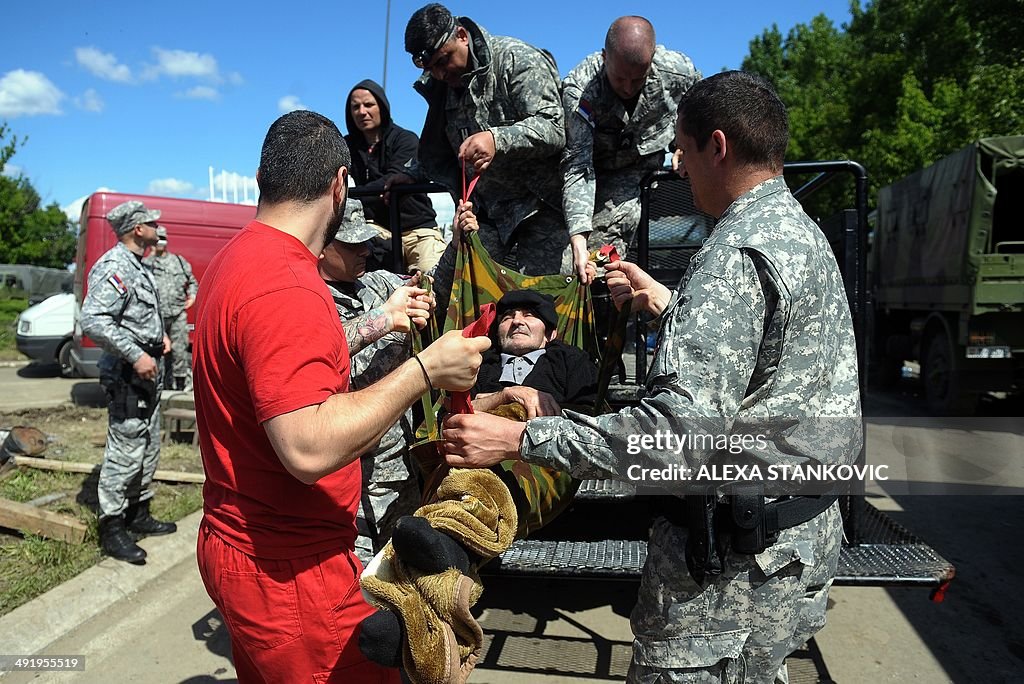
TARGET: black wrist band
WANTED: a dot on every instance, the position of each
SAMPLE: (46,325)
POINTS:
(423,368)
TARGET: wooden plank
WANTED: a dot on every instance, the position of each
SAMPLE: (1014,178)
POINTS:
(74,467)
(19,516)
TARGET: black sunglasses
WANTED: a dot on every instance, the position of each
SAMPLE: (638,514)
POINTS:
(422,58)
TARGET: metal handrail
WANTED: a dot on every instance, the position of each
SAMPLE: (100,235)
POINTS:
(396,194)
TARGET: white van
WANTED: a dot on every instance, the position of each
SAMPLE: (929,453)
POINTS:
(45,331)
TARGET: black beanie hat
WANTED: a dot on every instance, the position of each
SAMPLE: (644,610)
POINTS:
(543,305)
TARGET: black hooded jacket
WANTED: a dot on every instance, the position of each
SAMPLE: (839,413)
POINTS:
(371,170)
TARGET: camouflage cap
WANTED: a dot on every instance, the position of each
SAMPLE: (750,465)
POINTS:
(161,233)
(354,228)
(125,216)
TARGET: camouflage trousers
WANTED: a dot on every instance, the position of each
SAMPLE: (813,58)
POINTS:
(541,243)
(388,492)
(129,461)
(178,363)
(744,623)
(617,208)
(616,217)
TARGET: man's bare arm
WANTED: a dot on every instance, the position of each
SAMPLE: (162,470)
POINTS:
(315,441)
(366,329)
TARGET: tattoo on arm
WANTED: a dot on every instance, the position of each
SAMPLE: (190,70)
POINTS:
(367,329)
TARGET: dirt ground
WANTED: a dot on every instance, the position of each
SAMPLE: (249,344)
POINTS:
(31,565)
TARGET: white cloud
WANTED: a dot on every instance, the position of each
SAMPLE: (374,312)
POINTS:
(11,170)
(74,210)
(289,103)
(103,64)
(170,186)
(184,64)
(27,93)
(235,78)
(201,93)
(90,101)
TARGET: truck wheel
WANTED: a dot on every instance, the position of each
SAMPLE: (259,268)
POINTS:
(67,369)
(943,380)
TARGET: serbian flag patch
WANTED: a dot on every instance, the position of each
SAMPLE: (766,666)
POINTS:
(118,284)
(587,112)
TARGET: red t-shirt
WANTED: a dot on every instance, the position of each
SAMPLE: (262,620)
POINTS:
(267,342)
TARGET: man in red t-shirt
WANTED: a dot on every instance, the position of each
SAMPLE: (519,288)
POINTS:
(280,435)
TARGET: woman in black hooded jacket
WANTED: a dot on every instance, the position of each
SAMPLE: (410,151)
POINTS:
(380,150)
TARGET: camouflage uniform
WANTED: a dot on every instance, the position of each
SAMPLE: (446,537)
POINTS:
(609,151)
(122,314)
(389,490)
(757,340)
(175,284)
(512,90)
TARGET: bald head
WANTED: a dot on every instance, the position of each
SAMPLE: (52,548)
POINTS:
(628,53)
(630,40)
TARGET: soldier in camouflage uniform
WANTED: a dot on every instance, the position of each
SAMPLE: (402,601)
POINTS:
(620,106)
(177,288)
(493,104)
(121,313)
(757,339)
(375,313)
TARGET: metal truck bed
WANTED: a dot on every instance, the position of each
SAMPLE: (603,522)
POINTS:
(880,553)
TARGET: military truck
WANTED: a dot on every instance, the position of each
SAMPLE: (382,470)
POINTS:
(946,275)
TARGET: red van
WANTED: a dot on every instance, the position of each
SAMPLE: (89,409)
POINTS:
(196,229)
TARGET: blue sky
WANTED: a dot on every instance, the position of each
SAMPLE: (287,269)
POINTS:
(145,97)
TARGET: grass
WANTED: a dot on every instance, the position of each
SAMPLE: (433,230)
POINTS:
(31,565)
(10,306)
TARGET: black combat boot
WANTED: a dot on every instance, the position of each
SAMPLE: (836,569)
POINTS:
(116,543)
(141,522)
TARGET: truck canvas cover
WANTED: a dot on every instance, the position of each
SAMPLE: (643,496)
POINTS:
(954,224)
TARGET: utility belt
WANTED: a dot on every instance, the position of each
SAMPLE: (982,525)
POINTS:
(744,524)
(156,351)
(128,395)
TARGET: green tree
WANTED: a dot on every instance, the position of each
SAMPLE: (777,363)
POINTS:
(30,233)
(810,69)
(905,83)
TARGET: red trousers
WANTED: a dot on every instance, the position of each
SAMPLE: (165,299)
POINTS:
(293,620)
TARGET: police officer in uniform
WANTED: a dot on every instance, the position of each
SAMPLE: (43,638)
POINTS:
(493,105)
(121,313)
(756,340)
(177,288)
(620,106)
(376,310)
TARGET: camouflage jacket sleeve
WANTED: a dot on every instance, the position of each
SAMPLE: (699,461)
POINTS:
(579,180)
(532,85)
(110,296)
(706,354)
(191,284)
(679,74)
